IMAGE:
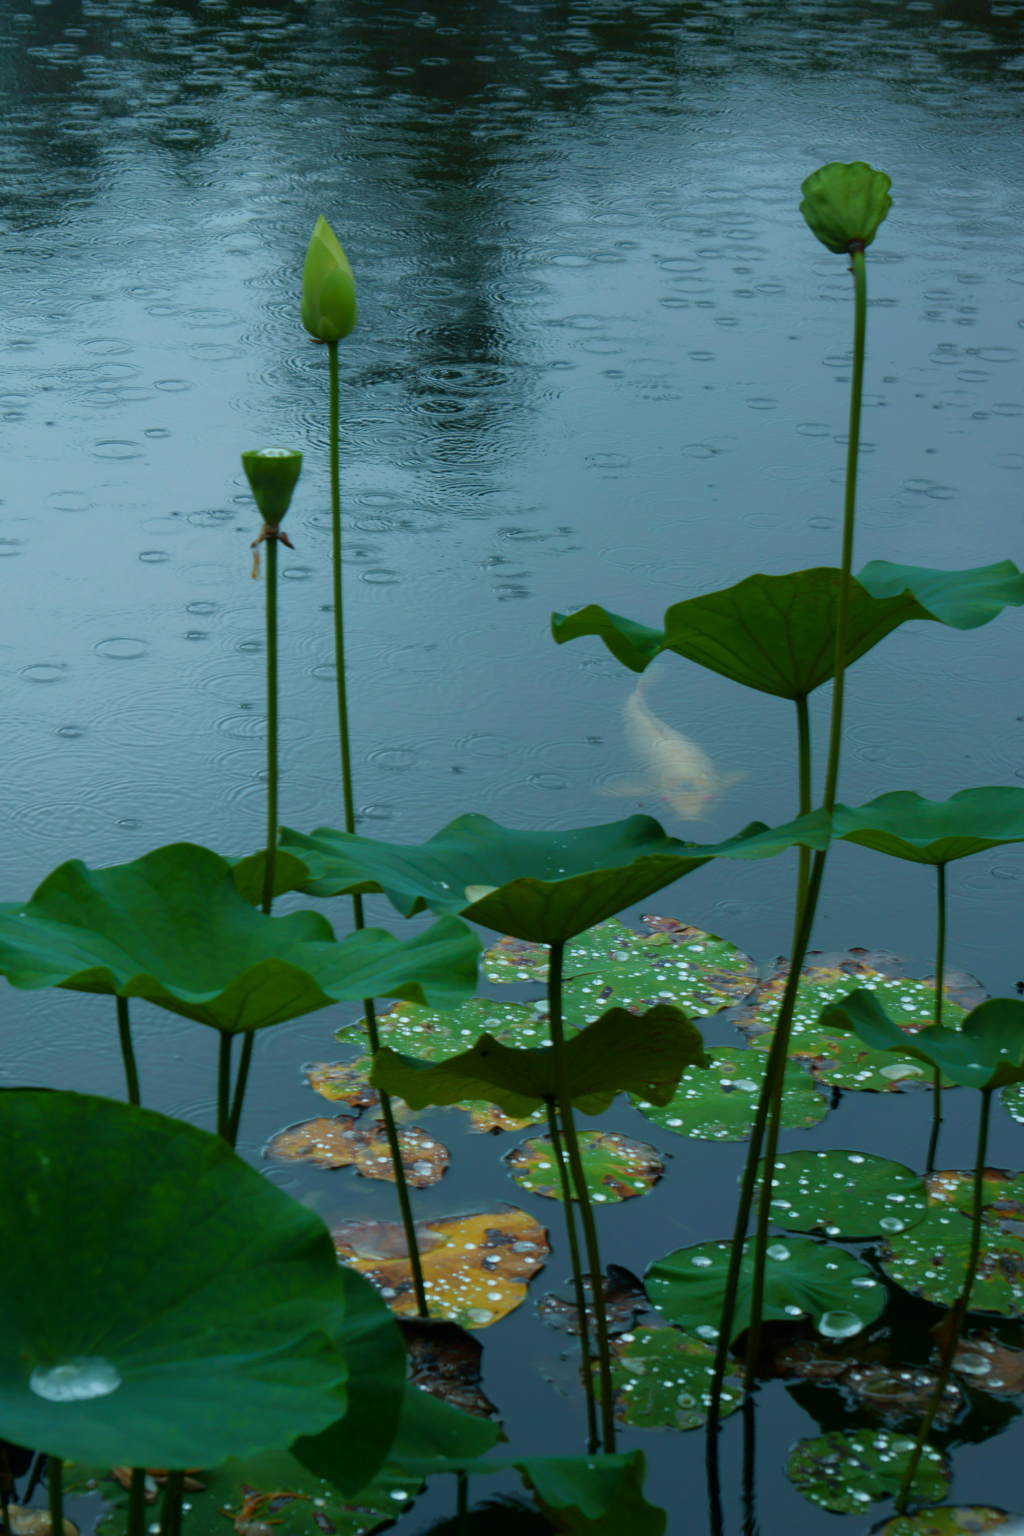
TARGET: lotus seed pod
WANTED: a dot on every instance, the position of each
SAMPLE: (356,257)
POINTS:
(844,204)
(272,473)
(329,310)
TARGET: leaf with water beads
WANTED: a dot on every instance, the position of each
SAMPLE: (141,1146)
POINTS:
(802,1279)
(845,1194)
(720,1103)
(845,1470)
(661,1378)
(340,1143)
(989,1365)
(986,1052)
(952,1520)
(931,1259)
(615,1167)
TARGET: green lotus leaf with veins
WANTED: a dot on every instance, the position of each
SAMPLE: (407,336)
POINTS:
(931,1259)
(661,1378)
(802,1279)
(719,1103)
(846,1470)
(844,1194)
(907,826)
(986,1052)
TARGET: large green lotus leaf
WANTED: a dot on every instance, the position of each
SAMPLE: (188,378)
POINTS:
(594,1495)
(615,1167)
(820,1038)
(931,1259)
(543,886)
(720,1103)
(802,1279)
(172,928)
(907,826)
(777,633)
(986,1052)
(846,1194)
(248,874)
(620,1053)
(846,1470)
(163,1304)
(661,1377)
(951,1520)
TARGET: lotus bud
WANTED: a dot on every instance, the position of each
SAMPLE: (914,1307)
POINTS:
(328,288)
(844,204)
(272,473)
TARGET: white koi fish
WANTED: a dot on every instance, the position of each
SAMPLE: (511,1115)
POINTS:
(673,768)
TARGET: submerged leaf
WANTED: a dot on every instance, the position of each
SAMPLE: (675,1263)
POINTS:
(720,1103)
(845,1194)
(624,1300)
(616,1167)
(952,1520)
(846,1469)
(340,1143)
(476,1268)
(931,1259)
(988,1365)
(661,1379)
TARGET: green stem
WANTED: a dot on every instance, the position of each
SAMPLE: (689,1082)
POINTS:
(957,1313)
(170,1512)
(593,1440)
(803,734)
(462,1503)
(55,1489)
(271,584)
(401,1184)
(6,1489)
(339,621)
(137,1503)
(131,1071)
(940,971)
(241,1078)
(579,1178)
(749,1468)
(224,1085)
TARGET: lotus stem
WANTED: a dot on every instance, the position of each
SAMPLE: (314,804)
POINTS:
(137,1503)
(131,1071)
(271,586)
(957,1314)
(55,1489)
(170,1512)
(6,1489)
(224,1086)
(803,733)
(462,1503)
(940,968)
(241,1078)
(749,1469)
(593,1439)
(579,1179)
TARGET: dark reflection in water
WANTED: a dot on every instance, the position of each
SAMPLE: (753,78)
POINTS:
(599,359)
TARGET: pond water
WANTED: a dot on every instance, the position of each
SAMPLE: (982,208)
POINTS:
(600,358)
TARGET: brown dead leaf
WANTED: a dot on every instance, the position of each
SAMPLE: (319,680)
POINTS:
(341,1143)
(156,1477)
(343,1082)
(893,1390)
(445,1361)
(476,1268)
(624,1301)
(984,1362)
(34,1522)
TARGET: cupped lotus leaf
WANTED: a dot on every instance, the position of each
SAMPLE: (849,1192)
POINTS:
(931,1259)
(616,1167)
(907,826)
(802,1279)
(542,886)
(845,204)
(845,1194)
(986,1052)
(720,1102)
(340,1143)
(661,1378)
(846,1470)
(203,1315)
(952,1520)
(620,1053)
(837,1056)
(476,1267)
(777,633)
(171,927)
(594,1495)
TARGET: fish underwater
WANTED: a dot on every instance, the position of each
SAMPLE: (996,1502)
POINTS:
(674,769)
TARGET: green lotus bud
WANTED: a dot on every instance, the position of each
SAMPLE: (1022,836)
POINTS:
(272,473)
(844,204)
(328,288)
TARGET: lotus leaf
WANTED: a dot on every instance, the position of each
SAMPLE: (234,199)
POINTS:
(777,633)
(845,1194)
(343,1082)
(1013,1101)
(619,1053)
(889,1388)
(907,826)
(989,1365)
(247,873)
(594,1496)
(341,1144)
(802,1278)
(476,1268)
(542,886)
(171,927)
(719,1104)
(661,1378)
(931,1259)
(951,1520)
(624,1300)
(846,1469)
(986,1052)
(616,1167)
(203,1315)
(446,1361)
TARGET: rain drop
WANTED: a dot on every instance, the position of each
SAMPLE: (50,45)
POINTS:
(777,1251)
(75,1380)
(839,1325)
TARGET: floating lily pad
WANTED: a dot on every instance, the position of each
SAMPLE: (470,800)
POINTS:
(951,1520)
(987,1051)
(616,1167)
(661,1378)
(476,1268)
(989,1365)
(837,1056)
(931,1259)
(846,1194)
(624,1300)
(846,1470)
(342,1144)
(719,1103)
(1013,1101)
(895,1392)
(342,1082)
(802,1279)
